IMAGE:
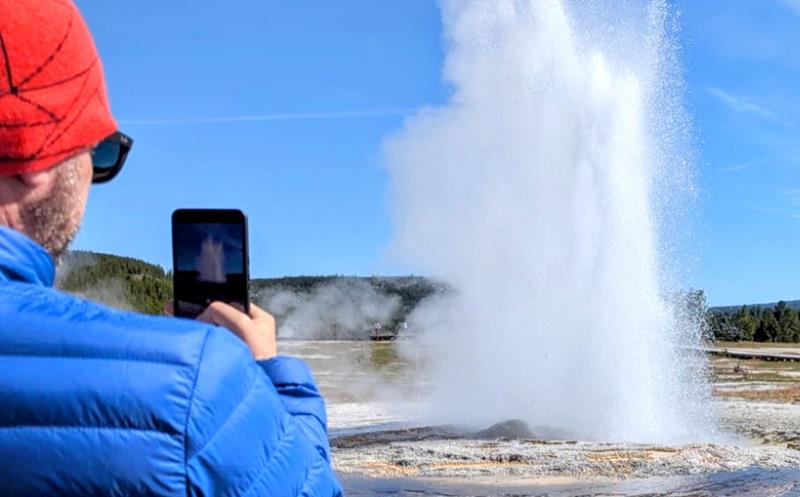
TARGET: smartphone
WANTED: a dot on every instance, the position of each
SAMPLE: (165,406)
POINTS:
(209,259)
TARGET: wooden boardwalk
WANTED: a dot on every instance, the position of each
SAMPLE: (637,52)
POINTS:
(760,354)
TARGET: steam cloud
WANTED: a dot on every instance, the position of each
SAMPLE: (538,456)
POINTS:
(542,192)
(109,291)
(345,309)
(211,261)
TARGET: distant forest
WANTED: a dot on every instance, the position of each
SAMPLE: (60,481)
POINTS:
(122,282)
(758,323)
(136,285)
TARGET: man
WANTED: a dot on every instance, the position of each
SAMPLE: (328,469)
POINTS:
(95,401)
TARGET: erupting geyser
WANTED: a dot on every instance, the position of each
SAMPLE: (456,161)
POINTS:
(540,191)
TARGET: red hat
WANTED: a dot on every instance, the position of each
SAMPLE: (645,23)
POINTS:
(53,100)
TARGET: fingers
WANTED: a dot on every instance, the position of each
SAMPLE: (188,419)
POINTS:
(257,330)
(255,311)
(227,316)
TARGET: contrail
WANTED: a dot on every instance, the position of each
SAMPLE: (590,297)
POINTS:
(290,116)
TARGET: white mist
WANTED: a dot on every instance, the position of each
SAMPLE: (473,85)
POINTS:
(537,192)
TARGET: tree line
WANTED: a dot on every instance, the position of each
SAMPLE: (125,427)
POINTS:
(411,290)
(780,323)
(145,287)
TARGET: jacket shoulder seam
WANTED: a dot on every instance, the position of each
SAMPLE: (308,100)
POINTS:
(230,416)
(92,358)
(189,413)
(318,463)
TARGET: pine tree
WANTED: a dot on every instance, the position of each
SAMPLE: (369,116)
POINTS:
(761,334)
(787,323)
(791,326)
(745,324)
(771,327)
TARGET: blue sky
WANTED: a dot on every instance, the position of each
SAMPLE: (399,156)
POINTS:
(742,63)
(280,108)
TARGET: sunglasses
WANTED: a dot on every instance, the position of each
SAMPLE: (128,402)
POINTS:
(109,156)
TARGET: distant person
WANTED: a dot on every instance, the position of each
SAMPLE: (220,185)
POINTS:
(95,401)
(376,329)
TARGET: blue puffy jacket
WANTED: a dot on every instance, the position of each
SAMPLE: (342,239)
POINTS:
(95,401)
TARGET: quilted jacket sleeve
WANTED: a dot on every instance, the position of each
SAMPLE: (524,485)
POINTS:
(246,436)
(292,378)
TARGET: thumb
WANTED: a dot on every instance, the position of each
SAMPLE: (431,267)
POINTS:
(227,316)
(259,313)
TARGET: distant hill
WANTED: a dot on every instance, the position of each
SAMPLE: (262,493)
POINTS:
(792,304)
(122,282)
(344,306)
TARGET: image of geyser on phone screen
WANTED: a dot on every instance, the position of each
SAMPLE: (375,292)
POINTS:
(209,259)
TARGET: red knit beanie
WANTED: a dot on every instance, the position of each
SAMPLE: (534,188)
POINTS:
(53,100)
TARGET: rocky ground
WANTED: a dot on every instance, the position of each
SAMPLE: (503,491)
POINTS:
(757,403)
(517,453)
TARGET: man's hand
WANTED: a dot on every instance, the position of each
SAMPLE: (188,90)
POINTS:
(256,330)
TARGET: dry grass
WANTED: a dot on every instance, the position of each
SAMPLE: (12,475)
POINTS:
(727,369)
(789,394)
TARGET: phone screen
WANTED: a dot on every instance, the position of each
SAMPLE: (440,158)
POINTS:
(210,263)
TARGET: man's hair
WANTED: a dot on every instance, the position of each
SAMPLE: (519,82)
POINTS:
(54,220)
